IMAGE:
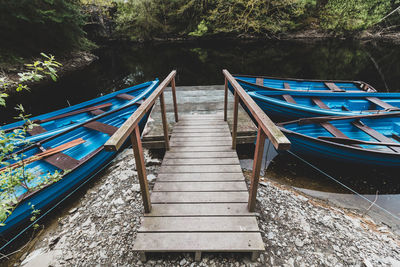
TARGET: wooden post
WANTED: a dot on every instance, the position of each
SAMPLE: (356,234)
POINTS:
(141,168)
(226,100)
(174,99)
(256,169)
(235,120)
(164,120)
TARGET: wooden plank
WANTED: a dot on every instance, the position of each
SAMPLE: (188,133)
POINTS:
(205,242)
(164,121)
(203,209)
(199,197)
(375,134)
(199,224)
(286,85)
(97,112)
(200,138)
(333,130)
(125,96)
(196,134)
(201,143)
(202,168)
(202,126)
(201,161)
(201,149)
(200,122)
(62,161)
(198,131)
(196,177)
(260,81)
(258,154)
(333,87)
(289,99)
(278,139)
(200,186)
(101,127)
(188,155)
(381,103)
(319,103)
(37,129)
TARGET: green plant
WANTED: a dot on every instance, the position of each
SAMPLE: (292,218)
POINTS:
(13,180)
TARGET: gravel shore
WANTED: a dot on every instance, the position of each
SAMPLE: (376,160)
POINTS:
(297,230)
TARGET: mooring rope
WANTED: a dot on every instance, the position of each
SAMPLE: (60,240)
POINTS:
(342,184)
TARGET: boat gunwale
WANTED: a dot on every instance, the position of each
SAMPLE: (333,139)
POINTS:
(359,83)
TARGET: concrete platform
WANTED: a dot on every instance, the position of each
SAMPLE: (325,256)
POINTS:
(207,99)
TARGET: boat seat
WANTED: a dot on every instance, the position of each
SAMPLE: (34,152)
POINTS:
(333,130)
(125,96)
(62,161)
(375,134)
(101,127)
(381,103)
(289,99)
(260,81)
(37,129)
(319,103)
(333,87)
(286,86)
(97,112)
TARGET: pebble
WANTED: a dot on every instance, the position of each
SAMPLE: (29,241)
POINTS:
(101,229)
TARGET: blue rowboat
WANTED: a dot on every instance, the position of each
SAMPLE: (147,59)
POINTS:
(281,105)
(257,83)
(82,156)
(372,140)
(58,121)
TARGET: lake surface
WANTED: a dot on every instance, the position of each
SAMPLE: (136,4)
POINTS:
(122,65)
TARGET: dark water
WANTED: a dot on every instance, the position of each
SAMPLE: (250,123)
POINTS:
(121,65)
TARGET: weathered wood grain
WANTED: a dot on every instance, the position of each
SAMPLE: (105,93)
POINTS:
(199,224)
(205,242)
(201,161)
(199,186)
(200,138)
(198,177)
(201,143)
(199,197)
(202,149)
(188,155)
(200,209)
(202,168)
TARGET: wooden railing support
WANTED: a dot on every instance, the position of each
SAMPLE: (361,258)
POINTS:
(164,121)
(266,129)
(131,129)
(174,99)
(258,153)
(141,168)
(235,119)
(226,100)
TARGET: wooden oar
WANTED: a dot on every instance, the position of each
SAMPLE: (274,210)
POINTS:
(44,154)
(335,118)
(349,141)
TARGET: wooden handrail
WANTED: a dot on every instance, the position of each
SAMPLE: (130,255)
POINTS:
(118,138)
(273,133)
(131,128)
(266,129)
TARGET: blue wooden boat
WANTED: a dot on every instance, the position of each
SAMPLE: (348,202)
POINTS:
(280,105)
(372,140)
(57,121)
(77,163)
(257,83)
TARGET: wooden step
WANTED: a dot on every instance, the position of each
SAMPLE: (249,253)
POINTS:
(200,186)
(199,177)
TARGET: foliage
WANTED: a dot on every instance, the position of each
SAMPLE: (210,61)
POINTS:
(348,16)
(30,26)
(14,179)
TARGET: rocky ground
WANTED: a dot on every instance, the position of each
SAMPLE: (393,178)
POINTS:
(297,230)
